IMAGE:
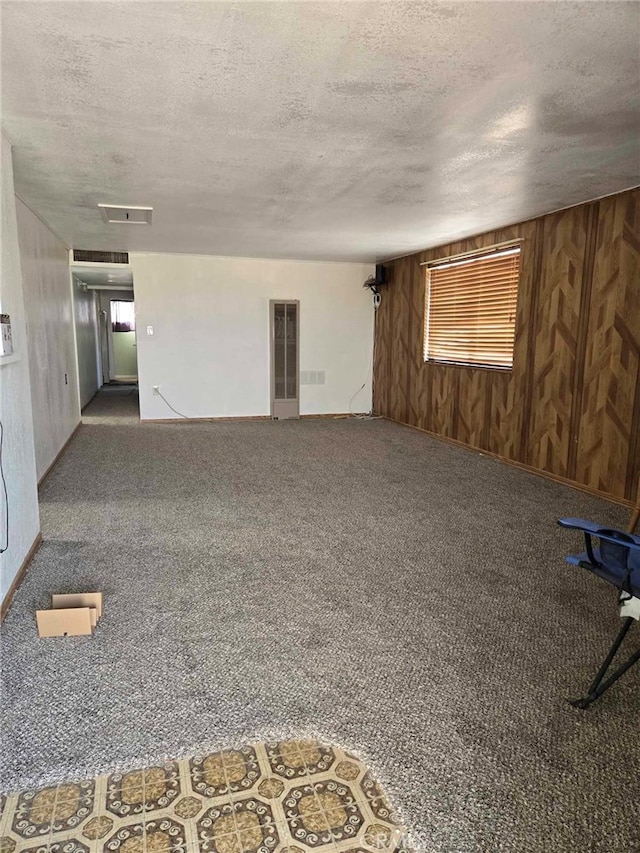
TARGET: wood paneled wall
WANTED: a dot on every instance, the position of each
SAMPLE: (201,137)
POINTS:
(571,404)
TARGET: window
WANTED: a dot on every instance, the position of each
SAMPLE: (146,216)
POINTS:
(123,317)
(470,311)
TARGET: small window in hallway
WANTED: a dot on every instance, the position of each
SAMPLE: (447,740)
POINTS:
(122,316)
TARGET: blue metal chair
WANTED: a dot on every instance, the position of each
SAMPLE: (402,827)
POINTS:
(616,559)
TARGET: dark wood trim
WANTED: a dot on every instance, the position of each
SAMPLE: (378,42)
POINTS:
(591,230)
(59,454)
(6,602)
(546,475)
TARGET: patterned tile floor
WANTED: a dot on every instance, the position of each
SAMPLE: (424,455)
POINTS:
(287,797)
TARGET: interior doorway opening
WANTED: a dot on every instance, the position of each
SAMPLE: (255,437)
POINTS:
(106,332)
(120,333)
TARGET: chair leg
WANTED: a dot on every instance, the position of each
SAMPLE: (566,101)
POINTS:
(596,689)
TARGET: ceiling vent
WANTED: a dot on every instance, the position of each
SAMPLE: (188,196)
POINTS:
(85,256)
(126,215)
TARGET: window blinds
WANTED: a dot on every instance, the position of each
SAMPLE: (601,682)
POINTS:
(470,311)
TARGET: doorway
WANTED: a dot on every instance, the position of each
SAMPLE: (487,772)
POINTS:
(284,322)
(117,323)
(123,360)
(105,323)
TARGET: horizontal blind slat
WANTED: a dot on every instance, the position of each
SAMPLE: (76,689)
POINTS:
(460,340)
(460,287)
(470,292)
(495,268)
(470,311)
(471,272)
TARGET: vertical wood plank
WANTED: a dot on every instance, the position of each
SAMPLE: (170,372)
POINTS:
(471,402)
(441,416)
(416,341)
(511,400)
(632,484)
(423,401)
(503,432)
(612,360)
(581,342)
(399,296)
(556,330)
(382,350)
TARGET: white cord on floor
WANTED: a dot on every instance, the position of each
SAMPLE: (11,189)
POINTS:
(360,416)
(160,394)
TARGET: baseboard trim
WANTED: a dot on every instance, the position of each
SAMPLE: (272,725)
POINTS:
(6,601)
(331,416)
(204,420)
(59,454)
(546,475)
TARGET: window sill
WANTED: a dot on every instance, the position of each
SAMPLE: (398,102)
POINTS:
(466,366)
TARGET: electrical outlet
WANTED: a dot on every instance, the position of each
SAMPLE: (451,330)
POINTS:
(66,379)
(156,390)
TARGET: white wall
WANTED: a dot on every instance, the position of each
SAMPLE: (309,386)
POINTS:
(210,349)
(87,342)
(49,312)
(18,457)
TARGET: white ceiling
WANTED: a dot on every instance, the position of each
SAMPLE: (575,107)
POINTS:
(104,276)
(332,130)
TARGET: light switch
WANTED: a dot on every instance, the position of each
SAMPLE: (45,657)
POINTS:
(149,330)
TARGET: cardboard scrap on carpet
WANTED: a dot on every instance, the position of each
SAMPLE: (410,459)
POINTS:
(71,615)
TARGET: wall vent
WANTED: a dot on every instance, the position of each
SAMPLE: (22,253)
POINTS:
(86,256)
(126,215)
(312,377)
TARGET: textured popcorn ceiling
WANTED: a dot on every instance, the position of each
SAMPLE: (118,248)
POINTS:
(341,131)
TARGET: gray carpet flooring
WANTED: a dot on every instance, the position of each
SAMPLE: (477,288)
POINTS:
(349,580)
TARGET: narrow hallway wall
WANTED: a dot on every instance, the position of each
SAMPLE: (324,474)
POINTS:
(18,457)
(49,315)
(86,320)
